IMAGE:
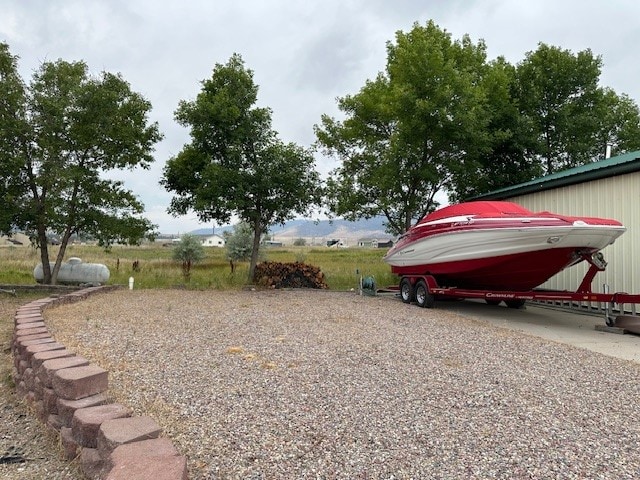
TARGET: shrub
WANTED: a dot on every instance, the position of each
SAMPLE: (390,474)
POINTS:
(239,244)
(189,251)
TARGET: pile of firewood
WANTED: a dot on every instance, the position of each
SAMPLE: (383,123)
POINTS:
(288,275)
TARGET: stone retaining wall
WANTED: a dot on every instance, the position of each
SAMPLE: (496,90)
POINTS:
(68,394)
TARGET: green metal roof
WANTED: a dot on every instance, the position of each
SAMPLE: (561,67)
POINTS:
(609,167)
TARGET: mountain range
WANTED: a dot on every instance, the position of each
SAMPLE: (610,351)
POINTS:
(318,232)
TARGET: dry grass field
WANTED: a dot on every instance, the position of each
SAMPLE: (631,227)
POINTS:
(156,268)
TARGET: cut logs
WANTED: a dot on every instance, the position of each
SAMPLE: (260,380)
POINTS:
(289,275)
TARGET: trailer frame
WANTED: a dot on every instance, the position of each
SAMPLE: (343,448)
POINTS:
(424,290)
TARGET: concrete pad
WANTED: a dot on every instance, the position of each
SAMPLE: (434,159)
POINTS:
(552,323)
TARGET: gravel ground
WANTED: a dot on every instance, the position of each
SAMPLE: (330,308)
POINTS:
(27,450)
(317,384)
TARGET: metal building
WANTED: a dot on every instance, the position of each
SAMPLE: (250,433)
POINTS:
(609,188)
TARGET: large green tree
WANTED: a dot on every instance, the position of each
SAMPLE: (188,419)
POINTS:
(14,134)
(411,132)
(59,137)
(508,160)
(235,165)
(441,118)
(572,117)
(620,126)
(546,114)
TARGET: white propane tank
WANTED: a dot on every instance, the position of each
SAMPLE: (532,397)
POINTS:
(76,272)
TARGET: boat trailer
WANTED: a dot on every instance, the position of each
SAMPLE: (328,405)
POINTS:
(423,289)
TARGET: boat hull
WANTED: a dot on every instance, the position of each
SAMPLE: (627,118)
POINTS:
(495,257)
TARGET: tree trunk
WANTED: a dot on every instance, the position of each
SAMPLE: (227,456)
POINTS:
(257,233)
(44,256)
(63,249)
(408,221)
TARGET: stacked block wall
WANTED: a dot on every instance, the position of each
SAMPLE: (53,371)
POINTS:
(69,394)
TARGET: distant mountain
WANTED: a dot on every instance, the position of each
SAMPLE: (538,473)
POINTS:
(330,228)
(211,231)
(318,232)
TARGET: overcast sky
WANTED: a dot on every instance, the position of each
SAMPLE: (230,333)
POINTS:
(304,54)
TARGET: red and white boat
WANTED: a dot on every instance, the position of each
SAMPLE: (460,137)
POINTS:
(493,245)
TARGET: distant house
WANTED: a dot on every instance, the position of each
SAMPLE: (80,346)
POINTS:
(374,243)
(272,243)
(213,241)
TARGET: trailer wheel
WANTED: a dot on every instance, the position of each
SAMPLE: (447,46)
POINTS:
(515,303)
(423,297)
(406,291)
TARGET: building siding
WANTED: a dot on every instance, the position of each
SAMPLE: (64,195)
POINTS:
(614,197)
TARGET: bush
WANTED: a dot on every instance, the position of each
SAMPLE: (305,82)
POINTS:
(240,243)
(189,251)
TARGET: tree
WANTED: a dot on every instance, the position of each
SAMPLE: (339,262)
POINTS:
(547,114)
(14,131)
(239,244)
(559,94)
(59,138)
(508,160)
(620,118)
(235,164)
(410,132)
(188,251)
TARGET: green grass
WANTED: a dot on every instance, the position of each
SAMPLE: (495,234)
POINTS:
(158,270)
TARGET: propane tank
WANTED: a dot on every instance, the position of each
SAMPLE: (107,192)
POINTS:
(75,272)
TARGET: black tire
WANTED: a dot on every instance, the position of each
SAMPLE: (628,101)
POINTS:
(492,301)
(407,294)
(515,303)
(424,299)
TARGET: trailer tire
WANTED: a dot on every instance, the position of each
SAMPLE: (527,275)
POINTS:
(407,293)
(515,303)
(423,297)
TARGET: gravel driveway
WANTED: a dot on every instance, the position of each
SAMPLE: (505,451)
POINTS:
(318,384)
